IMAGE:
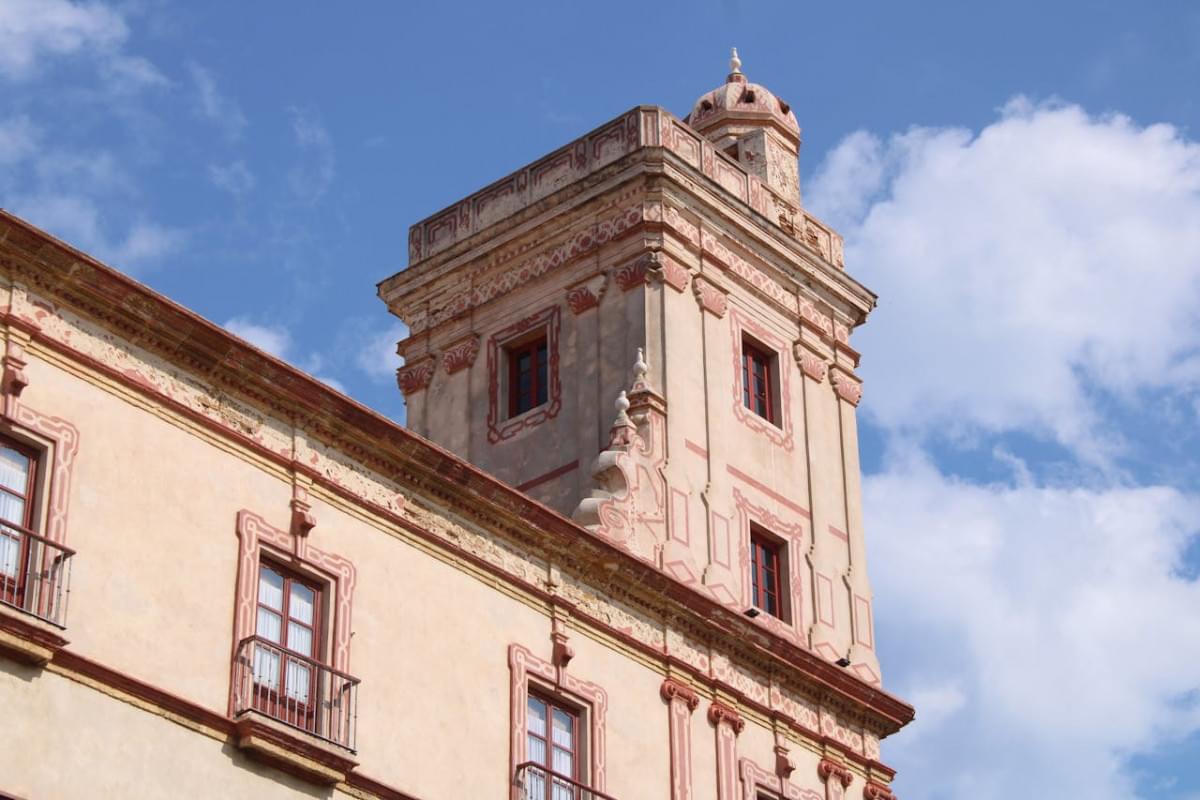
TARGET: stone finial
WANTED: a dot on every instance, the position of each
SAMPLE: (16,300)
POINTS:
(621,404)
(640,368)
(735,63)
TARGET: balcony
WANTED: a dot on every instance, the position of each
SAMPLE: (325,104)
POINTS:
(35,580)
(535,782)
(294,711)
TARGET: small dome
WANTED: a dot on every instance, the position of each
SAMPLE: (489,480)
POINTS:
(738,100)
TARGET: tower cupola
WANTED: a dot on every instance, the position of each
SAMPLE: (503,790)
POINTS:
(748,123)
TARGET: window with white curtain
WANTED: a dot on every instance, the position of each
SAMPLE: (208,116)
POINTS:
(552,745)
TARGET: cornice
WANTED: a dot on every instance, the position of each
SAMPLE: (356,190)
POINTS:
(172,332)
(652,139)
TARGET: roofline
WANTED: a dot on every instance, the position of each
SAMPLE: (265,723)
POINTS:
(154,322)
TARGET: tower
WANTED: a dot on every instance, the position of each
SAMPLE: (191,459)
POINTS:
(646,331)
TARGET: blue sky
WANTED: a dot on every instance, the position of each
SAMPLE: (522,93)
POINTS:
(1020,182)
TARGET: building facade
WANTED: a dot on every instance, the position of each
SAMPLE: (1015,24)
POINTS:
(617,552)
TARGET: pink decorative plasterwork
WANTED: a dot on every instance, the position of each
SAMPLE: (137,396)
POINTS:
(836,777)
(672,273)
(877,791)
(811,364)
(461,354)
(415,377)
(633,273)
(63,439)
(499,428)
(710,297)
(792,534)
(756,780)
(727,724)
(525,669)
(779,432)
(586,294)
(256,538)
(681,701)
(847,386)
(628,505)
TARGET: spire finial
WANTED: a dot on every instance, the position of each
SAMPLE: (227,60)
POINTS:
(735,63)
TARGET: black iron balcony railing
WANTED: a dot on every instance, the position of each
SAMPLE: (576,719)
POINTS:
(538,783)
(35,573)
(296,690)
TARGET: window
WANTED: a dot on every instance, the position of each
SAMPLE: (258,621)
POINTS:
(766,574)
(287,653)
(18,473)
(758,381)
(552,750)
(528,374)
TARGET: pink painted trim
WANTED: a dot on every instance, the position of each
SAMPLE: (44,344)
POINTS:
(557,472)
(681,701)
(863,631)
(825,600)
(461,354)
(792,533)
(845,537)
(500,429)
(415,377)
(64,441)
(695,448)
(256,536)
(680,526)
(727,724)
(524,665)
(755,779)
(768,491)
(781,433)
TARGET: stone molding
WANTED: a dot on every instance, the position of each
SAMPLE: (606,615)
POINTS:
(461,354)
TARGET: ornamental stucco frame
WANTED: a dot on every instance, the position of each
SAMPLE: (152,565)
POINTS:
(59,440)
(755,779)
(257,537)
(781,433)
(498,428)
(525,667)
(793,536)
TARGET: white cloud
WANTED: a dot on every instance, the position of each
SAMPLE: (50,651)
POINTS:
(1044,634)
(215,106)
(33,31)
(312,176)
(376,353)
(18,140)
(1052,254)
(79,220)
(273,339)
(235,178)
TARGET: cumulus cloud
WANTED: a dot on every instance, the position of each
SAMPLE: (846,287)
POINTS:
(214,106)
(235,178)
(314,172)
(1045,634)
(273,339)
(1023,269)
(80,220)
(376,352)
(33,32)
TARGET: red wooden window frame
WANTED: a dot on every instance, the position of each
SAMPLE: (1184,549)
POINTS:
(551,704)
(766,572)
(535,352)
(274,700)
(757,380)
(12,588)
